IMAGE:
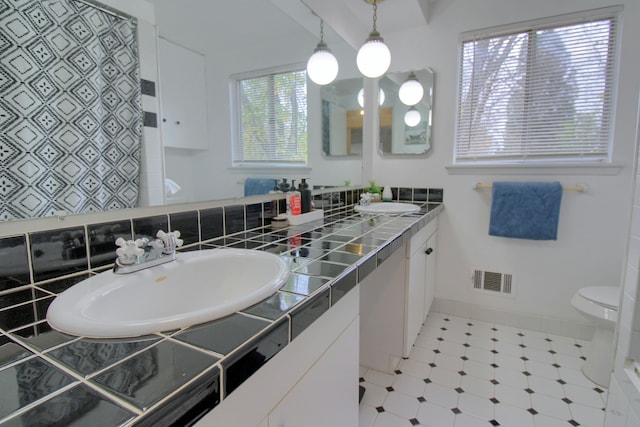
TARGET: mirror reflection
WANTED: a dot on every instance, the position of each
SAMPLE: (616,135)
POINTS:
(176,166)
(342,115)
(70,109)
(406,129)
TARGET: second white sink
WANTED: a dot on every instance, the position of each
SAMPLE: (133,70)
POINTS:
(198,287)
(387,208)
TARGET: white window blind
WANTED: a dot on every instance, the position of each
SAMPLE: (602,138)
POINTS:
(539,94)
(271,119)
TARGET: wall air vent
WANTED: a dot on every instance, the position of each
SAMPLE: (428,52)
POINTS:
(492,282)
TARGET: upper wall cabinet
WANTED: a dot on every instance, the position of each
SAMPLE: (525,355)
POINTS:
(182,97)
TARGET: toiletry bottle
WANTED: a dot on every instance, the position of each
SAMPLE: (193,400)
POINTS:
(276,187)
(305,196)
(293,201)
(284,185)
(387,195)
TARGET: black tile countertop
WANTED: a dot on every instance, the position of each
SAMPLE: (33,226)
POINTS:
(174,377)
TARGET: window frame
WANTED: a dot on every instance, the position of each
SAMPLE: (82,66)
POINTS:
(541,164)
(236,119)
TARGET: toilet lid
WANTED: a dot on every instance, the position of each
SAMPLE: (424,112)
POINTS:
(603,295)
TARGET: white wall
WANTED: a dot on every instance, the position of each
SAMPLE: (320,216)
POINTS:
(592,228)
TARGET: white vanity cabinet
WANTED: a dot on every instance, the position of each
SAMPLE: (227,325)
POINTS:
(182,97)
(420,281)
(394,301)
(312,382)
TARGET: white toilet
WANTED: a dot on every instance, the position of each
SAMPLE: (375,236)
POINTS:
(599,304)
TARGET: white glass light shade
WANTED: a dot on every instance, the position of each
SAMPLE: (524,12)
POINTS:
(373,57)
(411,92)
(322,66)
(361,97)
(412,117)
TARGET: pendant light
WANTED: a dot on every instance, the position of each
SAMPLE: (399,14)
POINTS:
(411,91)
(374,57)
(412,117)
(322,66)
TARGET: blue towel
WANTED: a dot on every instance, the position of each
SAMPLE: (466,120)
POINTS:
(255,186)
(525,210)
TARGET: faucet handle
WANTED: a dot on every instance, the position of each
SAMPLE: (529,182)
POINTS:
(170,239)
(128,250)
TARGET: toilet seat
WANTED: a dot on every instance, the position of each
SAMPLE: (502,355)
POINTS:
(606,296)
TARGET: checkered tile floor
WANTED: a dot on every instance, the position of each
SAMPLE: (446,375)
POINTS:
(467,373)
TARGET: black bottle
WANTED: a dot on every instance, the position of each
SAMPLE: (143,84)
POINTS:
(305,196)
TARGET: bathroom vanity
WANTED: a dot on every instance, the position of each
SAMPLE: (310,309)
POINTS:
(287,358)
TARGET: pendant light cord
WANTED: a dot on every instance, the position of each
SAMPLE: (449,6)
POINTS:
(321,30)
(375,14)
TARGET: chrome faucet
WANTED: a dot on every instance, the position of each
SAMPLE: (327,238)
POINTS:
(136,255)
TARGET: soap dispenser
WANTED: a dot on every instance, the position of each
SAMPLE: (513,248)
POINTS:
(387,195)
(305,196)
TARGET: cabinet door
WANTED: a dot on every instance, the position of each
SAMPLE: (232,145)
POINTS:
(328,393)
(182,96)
(430,280)
(415,313)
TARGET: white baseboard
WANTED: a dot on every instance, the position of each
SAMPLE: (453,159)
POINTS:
(555,326)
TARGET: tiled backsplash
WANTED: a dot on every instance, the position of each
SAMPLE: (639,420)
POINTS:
(38,265)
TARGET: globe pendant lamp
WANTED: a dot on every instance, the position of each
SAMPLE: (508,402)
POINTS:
(411,91)
(374,57)
(412,117)
(322,66)
(361,97)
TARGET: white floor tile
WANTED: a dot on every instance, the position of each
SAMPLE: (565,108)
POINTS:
(477,386)
(542,356)
(513,396)
(587,416)
(401,404)
(512,363)
(433,415)
(479,354)
(367,415)
(479,370)
(387,419)
(450,362)
(422,354)
(546,386)
(374,394)
(511,378)
(481,341)
(584,396)
(477,406)
(550,406)
(445,377)
(508,415)
(542,420)
(409,385)
(416,369)
(441,395)
(465,420)
(542,369)
(452,348)
(379,378)
(568,361)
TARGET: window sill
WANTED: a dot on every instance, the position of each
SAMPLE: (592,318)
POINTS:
(610,169)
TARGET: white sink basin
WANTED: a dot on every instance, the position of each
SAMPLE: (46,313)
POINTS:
(387,208)
(197,287)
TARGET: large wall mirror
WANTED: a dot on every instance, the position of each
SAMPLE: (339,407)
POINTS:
(404,129)
(228,38)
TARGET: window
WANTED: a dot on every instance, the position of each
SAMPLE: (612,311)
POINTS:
(539,94)
(271,119)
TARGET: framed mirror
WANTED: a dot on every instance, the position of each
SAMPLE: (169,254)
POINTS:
(404,129)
